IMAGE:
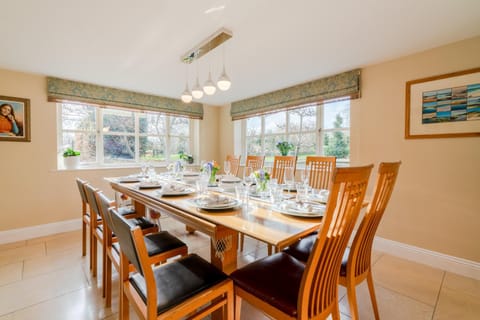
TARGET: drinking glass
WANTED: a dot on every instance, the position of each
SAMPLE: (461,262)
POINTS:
(227,167)
(289,177)
(305,175)
(248,179)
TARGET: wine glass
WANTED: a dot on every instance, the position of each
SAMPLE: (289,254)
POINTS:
(248,179)
(305,175)
(227,167)
(289,177)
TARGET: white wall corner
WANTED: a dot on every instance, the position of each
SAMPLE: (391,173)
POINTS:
(39,231)
(434,259)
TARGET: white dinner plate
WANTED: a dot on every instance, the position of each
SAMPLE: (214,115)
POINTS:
(128,179)
(293,210)
(149,185)
(230,179)
(231,203)
(176,192)
(191,174)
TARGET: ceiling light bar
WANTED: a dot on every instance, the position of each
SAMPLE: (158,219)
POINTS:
(207,45)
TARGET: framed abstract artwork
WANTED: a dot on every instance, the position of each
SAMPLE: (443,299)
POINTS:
(444,106)
(14,119)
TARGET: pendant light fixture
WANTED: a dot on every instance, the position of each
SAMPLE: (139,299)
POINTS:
(224,82)
(209,88)
(186,95)
(197,91)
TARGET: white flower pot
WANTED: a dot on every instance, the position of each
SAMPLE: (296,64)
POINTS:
(71,162)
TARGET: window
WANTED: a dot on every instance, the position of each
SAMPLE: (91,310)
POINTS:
(314,129)
(108,136)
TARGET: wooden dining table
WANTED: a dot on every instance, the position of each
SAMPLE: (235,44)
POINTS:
(258,221)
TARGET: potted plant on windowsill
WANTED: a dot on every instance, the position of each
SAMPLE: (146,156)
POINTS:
(284,147)
(71,158)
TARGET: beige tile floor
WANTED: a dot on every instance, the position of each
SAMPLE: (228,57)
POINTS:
(47,278)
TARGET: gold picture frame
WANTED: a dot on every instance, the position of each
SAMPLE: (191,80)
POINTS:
(14,119)
(443,106)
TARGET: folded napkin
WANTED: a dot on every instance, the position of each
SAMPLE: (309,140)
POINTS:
(173,188)
(213,200)
(149,184)
(301,207)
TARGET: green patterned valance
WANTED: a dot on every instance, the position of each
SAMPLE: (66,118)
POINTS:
(343,85)
(60,90)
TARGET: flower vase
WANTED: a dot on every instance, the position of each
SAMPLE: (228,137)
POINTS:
(261,189)
(213,179)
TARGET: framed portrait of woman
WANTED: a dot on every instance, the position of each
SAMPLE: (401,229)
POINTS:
(14,119)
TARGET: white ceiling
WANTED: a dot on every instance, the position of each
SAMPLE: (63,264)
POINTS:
(137,45)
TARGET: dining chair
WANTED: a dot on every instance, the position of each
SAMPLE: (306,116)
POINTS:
(356,262)
(189,286)
(96,221)
(85,220)
(279,165)
(160,246)
(321,170)
(286,288)
(234,163)
(254,162)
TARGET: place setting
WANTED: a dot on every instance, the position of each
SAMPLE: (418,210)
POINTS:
(215,202)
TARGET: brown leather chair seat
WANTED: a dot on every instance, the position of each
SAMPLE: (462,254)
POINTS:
(179,280)
(301,249)
(275,279)
(157,243)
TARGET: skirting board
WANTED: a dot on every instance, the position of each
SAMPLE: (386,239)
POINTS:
(434,259)
(22,234)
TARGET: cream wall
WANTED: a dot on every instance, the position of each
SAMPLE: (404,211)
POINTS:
(33,192)
(435,204)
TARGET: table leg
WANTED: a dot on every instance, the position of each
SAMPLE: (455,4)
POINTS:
(223,250)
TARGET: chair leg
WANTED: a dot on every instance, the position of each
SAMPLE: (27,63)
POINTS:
(238,307)
(242,238)
(94,256)
(90,237)
(336,311)
(84,238)
(108,283)
(104,269)
(352,300)
(371,289)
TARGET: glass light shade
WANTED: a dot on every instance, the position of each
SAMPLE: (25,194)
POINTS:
(224,82)
(209,86)
(197,92)
(186,96)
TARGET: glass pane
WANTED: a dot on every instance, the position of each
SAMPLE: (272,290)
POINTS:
(153,123)
(337,144)
(152,148)
(271,144)
(83,142)
(254,126)
(276,122)
(254,145)
(336,115)
(179,126)
(118,148)
(303,119)
(78,117)
(178,144)
(118,121)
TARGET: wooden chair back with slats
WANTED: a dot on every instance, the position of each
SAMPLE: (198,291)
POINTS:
(198,304)
(321,170)
(95,222)
(234,164)
(279,165)
(85,217)
(255,162)
(358,266)
(318,296)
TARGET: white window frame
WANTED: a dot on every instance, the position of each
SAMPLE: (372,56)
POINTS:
(99,138)
(241,129)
